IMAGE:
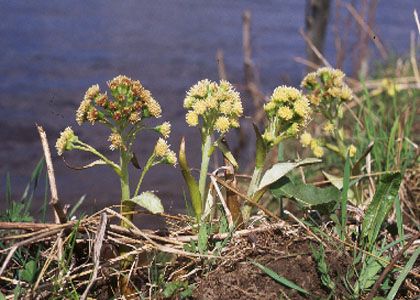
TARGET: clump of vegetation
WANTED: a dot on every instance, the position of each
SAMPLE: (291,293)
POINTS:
(345,217)
(327,93)
(214,109)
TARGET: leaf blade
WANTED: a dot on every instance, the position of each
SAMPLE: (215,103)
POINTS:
(149,201)
(279,170)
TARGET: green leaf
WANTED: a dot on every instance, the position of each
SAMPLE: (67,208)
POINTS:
(2,297)
(378,209)
(319,257)
(368,275)
(227,153)
(260,148)
(335,180)
(403,274)
(391,141)
(171,288)
(306,195)
(36,173)
(149,201)
(29,272)
(190,181)
(280,279)
(338,183)
(279,170)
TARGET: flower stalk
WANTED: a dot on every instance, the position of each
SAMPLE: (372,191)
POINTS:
(205,160)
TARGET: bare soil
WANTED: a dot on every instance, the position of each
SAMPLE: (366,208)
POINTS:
(289,256)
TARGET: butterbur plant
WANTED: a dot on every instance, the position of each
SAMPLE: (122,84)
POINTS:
(327,93)
(288,112)
(124,112)
(214,108)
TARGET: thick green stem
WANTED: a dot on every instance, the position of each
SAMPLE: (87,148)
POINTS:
(126,208)
(205,159)
(125,189)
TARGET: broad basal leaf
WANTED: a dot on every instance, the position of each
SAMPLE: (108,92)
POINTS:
(149,201)
(306,195)
(281,169)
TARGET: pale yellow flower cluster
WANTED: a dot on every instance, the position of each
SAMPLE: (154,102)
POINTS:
(316,148)
(326,85)
(217,105)
(329,128)
(164,129)
(162,151)
(288,112)
(66,141)
(131,102)
(307,140)
(327,91)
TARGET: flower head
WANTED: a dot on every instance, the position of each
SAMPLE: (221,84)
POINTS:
(326,85)
(163,152)
(329,128)
(222,124)
(316,148)
(305,139)
(92,92)
(116,141)
(129,101)
(352,150)
(81,112)
(217,105)
(164,129)
(161,148)
(287,111)
(191,118)
(171,158)
(66,141)
(318,151)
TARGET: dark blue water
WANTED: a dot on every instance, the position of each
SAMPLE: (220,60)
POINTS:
(51,51)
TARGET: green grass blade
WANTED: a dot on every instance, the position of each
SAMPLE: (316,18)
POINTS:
(344,193)
(403,274)
(44,206)
(76,206)
(280,279)
(32,185)
(391,143)
(399,217)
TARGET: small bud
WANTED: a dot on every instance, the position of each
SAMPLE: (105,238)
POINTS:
(352,150)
